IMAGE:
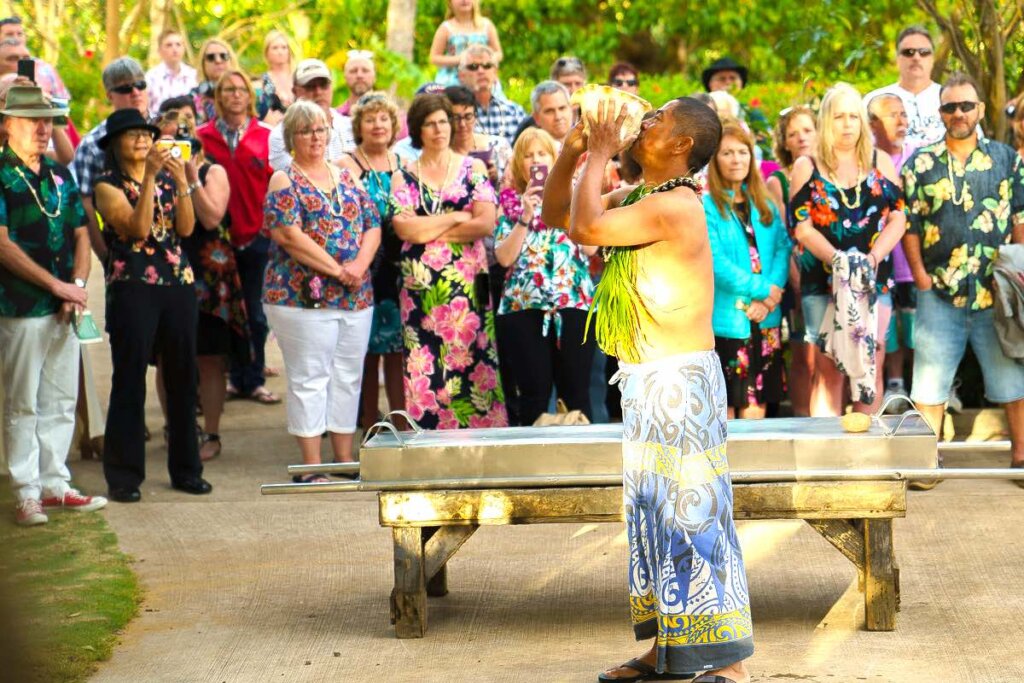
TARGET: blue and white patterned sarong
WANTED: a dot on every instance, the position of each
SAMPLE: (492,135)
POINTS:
(687,585)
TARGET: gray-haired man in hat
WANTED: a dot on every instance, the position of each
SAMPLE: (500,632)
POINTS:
(44,262)
(125,84)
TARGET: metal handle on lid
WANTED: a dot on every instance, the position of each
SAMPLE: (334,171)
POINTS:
(408,418)
(910,413)
(377,426)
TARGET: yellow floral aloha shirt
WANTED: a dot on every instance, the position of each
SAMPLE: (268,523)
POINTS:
(960,239)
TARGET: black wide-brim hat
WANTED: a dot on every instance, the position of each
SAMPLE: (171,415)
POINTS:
(723,64)
(122,120)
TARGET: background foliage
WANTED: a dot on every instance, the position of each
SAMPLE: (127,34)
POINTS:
(795,49)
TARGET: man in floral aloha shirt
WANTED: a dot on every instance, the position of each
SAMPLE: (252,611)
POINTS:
(966,199)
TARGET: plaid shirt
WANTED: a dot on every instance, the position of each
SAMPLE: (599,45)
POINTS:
(501,117)
(89,160)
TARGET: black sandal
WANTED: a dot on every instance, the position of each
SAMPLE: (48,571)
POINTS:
(310,479)
(646,673)
(209,437)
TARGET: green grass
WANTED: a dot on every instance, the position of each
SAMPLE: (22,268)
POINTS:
(66,590)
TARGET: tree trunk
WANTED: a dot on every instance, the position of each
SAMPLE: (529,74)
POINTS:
(112,48)
(159,19)
(401,27)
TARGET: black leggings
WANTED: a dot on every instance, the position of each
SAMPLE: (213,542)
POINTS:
(538,362)
(144,320)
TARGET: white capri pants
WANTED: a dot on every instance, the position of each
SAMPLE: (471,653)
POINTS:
(323,352)
(39,368)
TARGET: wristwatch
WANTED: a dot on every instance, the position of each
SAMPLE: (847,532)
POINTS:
(79,282)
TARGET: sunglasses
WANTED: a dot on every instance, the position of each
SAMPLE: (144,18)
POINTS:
(911,51)
(477,66)
(951,107)
(622,82)
(216,56)
(127,88)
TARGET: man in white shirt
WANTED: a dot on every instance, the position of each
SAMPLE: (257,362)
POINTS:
(171,77)
(313,81)
(915,58)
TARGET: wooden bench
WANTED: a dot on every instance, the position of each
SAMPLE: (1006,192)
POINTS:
(430,526)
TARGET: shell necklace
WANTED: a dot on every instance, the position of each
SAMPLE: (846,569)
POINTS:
(842,190)
(333,197)
(435,199)
(39,203)
(952,182)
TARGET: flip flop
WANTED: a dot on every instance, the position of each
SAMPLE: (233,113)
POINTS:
(310,479)
(712,678)
(264,396)
(646,673)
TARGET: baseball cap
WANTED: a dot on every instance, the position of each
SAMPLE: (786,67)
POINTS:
(310,69)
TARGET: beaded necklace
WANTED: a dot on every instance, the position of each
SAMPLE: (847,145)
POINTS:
(435,200)
(372,172)
(39,203)
(333,197)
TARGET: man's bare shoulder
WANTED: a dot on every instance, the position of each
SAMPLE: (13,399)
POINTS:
(682,211)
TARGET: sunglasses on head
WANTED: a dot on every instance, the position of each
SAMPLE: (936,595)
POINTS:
(216,56)
(479,65)
(951,107)
(620,82)
(127,88)
(911,51)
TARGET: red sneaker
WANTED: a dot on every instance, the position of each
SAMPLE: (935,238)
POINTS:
(30,514)
(75,501)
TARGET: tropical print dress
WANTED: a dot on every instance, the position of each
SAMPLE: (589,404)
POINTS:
(451,360)
(845,228)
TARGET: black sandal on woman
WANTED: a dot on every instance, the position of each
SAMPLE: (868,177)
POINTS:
(206,438)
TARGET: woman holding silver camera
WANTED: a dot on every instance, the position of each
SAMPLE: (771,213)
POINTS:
(146,203)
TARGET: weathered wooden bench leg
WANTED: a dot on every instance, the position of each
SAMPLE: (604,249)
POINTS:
(437,585)
(438,547)
(409,598)
(880,576)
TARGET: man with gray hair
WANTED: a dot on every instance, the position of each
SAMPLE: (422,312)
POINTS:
(125,84)
(551,109)
(478,71)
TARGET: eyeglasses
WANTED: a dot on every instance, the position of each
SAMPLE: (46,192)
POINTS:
(563,62)
(370,98)
(909,52)
(951,107)
(360,54)
(480,65)
(138,134)
(233,90)
(127,88)
(216,56)
(313,132)
(463,118)
(624,82)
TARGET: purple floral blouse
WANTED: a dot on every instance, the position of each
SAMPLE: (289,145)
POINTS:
(290,283)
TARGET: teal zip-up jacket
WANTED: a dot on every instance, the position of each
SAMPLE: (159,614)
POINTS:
(735,285)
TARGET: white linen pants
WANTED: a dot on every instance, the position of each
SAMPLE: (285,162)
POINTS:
(323,353)
(39,367)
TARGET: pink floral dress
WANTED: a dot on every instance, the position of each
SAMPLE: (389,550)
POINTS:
(451,361)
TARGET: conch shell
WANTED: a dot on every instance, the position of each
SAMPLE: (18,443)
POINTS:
(588,97)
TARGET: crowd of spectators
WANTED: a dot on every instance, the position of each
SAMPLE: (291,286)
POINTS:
(854,249)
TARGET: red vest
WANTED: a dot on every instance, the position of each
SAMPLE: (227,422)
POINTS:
(248,172)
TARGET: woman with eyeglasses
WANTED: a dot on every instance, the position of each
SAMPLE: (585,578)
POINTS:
(796,136)
(274,88)
(847,207)
(375,127)
(445,207)
(464,26)
(145,200)
(215,59)
(222,332)
(624,76)
(317,292)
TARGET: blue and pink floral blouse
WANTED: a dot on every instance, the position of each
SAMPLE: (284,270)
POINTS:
(337,224)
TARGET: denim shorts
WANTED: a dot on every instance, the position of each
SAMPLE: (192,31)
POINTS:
(814,313)
(941,334)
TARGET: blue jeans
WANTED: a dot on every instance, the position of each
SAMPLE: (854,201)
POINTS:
(252,261)
(941,334)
